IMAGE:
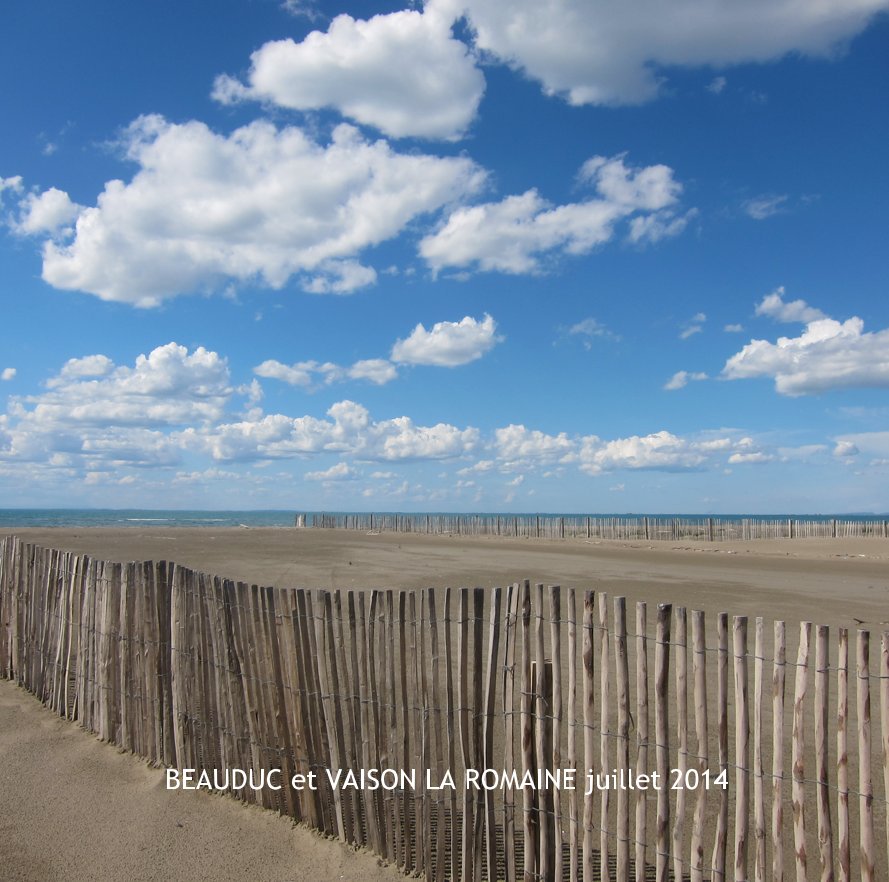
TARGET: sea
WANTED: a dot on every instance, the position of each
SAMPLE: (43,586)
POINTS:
(117,517)
(112,517)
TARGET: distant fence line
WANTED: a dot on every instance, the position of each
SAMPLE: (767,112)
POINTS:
(199,672)
(592,527)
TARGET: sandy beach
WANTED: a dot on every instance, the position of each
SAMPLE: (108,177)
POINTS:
(79,809)
(838,582)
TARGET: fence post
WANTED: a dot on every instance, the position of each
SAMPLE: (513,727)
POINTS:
(699,671)
(843,845)
(621,664)
(589,697)
(742,745)
(720,840)
(798,746)
(661,737)
(884,721)
(530,837)
(865,786)
(604,734)
(759,812)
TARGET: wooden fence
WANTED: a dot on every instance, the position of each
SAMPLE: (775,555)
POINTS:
(592,527)
(775,759)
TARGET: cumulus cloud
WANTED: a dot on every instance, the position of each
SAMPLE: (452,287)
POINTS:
(340,472)
(12,185)
(845,449)
(827,355)
(309,373)
(374,370)
(51,212)
(299,374)
(614,53)
(403,73)
(99,412)
(448,344)
(660,450)
(8,373)
(680,379)
(349,430)
(512,235)
(516,442)
(339,277)
(169,386)
(870,443)
(261,204)
(88,366)
(773,306)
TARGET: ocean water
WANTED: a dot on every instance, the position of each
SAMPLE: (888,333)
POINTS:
(108,517)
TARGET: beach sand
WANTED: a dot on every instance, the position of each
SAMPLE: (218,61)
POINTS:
(75,808)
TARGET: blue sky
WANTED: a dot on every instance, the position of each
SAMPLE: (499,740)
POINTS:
(538,256)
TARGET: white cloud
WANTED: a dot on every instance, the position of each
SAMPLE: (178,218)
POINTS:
(870,443)
(611,53)
(512,235)
(403,73)
(13,185)
(694,326)
(49,212)
(755,458)
(717,85)
(375,370)
(845,448)
(448,344)
(349,430)
(661,450)
(88,366)
(298,8)
(659,225)
(773,306)
(97,412)
(515,442)
(169,386)
(306,373)
(827,355)
(733,329)
(762,207)
(339,277)
(8,373)
(680,379)
(202,477)
(299,374)
(340,472)
(483,465)
(589,329)
(400,439)
(262,204)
